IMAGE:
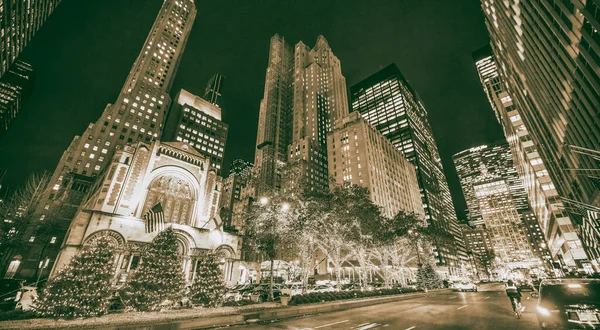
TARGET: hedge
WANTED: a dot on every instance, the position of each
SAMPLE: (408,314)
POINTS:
(315,297)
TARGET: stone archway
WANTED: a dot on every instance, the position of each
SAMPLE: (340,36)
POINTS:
(177,195)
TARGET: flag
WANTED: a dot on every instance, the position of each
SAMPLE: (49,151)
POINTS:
(155,219)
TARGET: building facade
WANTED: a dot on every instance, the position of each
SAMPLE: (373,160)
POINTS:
(494,162)
(389,103)
(19,22)
(16,86)
(275,115)
(137,115)
(197,122)
(140,176)
(480,250)
(554,222)
(233,200)
(547,53)
(358,154)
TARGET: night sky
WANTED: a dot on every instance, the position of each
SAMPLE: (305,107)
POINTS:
(85,50)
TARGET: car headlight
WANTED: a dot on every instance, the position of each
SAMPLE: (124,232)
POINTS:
(543,311)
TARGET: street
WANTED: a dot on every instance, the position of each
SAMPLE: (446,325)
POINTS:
(487,309)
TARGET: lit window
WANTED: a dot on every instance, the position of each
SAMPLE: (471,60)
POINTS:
(53,240)
(87,145)
(31,239)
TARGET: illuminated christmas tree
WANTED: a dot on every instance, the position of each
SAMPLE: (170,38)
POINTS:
(428,278)
(84,287)
(159,280)
(208,288)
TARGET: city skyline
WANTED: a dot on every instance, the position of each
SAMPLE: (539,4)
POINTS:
(240,107)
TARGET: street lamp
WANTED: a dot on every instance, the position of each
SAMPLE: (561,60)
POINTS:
(285,207)
(264,200)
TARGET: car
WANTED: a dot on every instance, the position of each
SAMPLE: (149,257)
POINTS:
(351,287)
(235,293)
(323,288)
(467,286)
(525,286)
(262,291)
(569,304)
(293,289)
(10,293)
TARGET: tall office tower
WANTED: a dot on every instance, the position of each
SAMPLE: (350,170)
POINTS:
(479,248)
(320,98)
(358,154)
(560,233)
(214,88)
(503,223)
(231,195)
(275,116)
(547,54)
(487,163)
(197,122)
(15,88)
(19,21)
(388,102)
(480,163)
(137,115)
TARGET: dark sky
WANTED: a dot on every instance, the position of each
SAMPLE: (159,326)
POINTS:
(84,52)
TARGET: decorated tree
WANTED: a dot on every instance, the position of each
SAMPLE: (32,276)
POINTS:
(84,287)
(159,280)
(208,288)
(428,278)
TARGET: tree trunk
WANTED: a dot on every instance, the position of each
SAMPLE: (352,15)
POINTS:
(271,298)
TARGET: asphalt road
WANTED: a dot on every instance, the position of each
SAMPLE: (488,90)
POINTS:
(487,309)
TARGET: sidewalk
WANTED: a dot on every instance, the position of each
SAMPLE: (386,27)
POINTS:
(199,318)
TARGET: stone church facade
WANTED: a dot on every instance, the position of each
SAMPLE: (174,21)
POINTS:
(139,177)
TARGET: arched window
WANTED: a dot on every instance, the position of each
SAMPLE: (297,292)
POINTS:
(176,196)
(13,267)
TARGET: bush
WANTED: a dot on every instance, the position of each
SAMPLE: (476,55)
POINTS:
(315,297)
(17,314)
(243,302)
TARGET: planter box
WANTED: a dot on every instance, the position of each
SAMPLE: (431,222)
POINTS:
(254,297)
(285,300)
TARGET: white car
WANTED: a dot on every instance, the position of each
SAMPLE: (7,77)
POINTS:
(467,286)
(29,293)
(322,288)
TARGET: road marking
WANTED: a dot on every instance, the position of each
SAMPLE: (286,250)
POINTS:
(414,326)
(369,326)
(462,307)
(360,325)
(330,324)
(411,306)
(453,297)
(488,297)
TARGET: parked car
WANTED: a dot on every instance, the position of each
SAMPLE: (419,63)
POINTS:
(323,288)
(525,286)
(262,291)
(351,287)
(10,293)
(569,304)
(467,286)
(236,292)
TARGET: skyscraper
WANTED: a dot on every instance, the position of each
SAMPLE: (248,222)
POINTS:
(240,167)
(19,21)
(15,88)
(547,54)
(305,92)
(358,154)
(320,98)
(389,103)
(485,166)
(197,122)
(232,203)
(275,116)
(480,163)
(138,114)
(558,230)
(213,90)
